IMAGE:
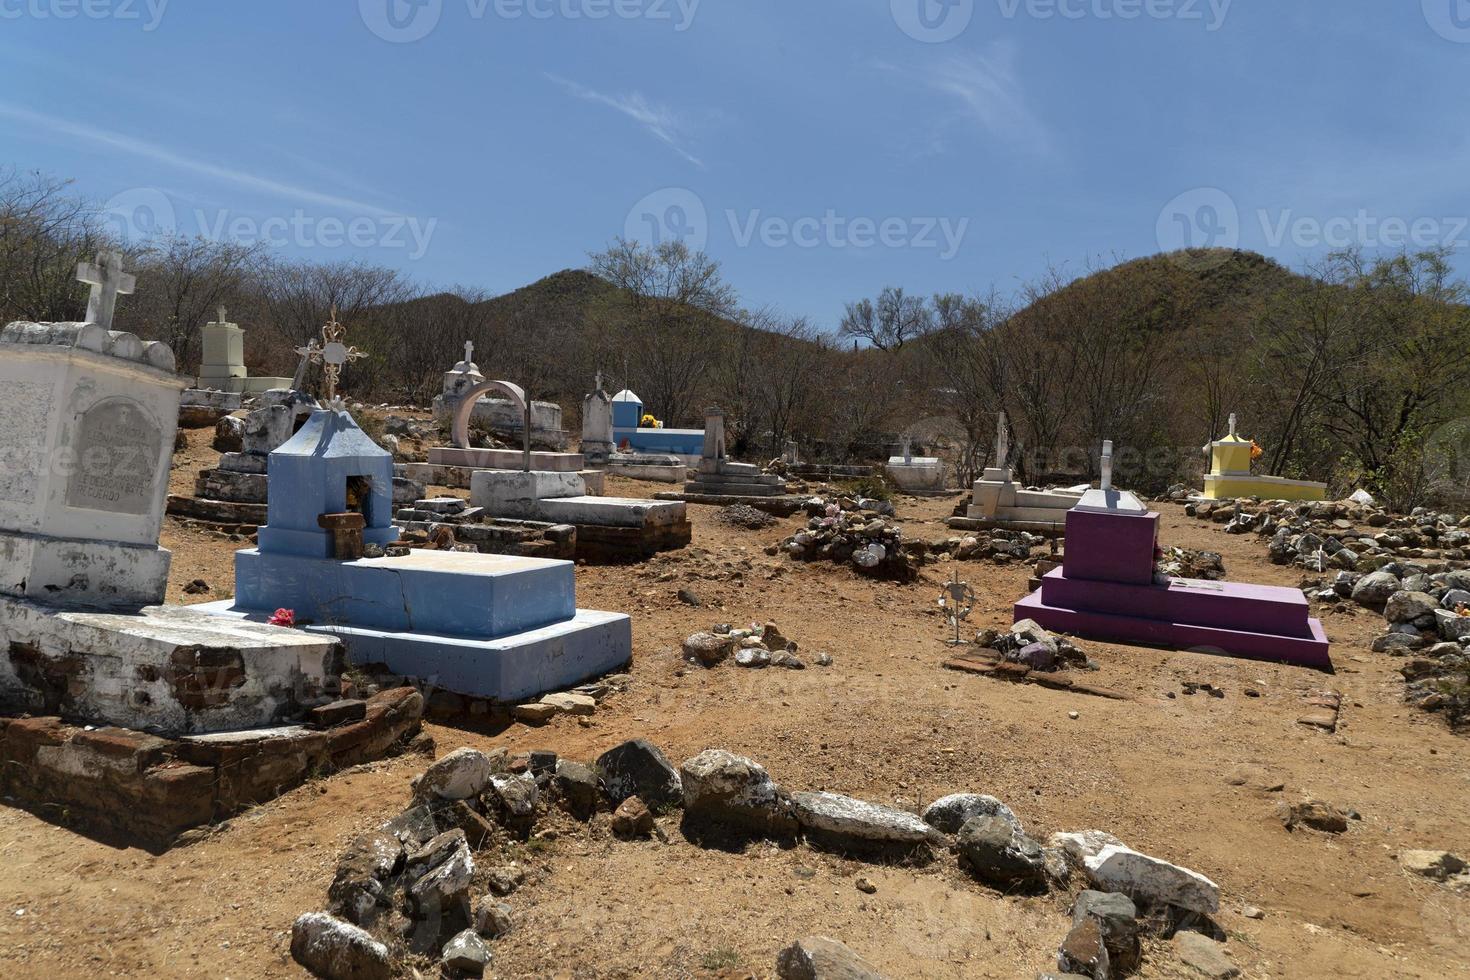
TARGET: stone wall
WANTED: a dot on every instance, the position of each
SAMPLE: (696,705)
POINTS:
(121,783)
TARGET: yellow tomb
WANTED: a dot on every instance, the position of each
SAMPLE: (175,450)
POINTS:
(1230,475)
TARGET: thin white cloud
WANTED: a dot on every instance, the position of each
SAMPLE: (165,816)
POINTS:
(662,121)
(151,151)
(989,91)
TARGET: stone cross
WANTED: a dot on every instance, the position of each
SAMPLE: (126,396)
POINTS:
(220,315)
(1002,441)
(108,282)
(599,382)
(908,448)
(1107,466)
(333,355)
(469,352)
(1232,425)
(308,355)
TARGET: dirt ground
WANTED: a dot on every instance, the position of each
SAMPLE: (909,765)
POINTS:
(887,723)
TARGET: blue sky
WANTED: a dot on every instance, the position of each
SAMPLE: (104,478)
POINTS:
(820,149)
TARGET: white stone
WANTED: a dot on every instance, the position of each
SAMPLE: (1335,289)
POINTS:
(460,775)
(1081,845)
(338,950)
(860,820)
(571,704)
(1120,869)
(517,495)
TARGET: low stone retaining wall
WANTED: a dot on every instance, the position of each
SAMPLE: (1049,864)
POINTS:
(117,782)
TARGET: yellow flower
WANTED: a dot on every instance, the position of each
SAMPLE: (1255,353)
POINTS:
(1256,451)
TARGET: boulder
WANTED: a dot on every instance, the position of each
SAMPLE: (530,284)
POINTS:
(1438,865)
(460,775)
(514,799)
(576,788)
(723,788)
(571,704)
(1084,953)
(1080,845)
(1117,919)
(951,813)
(357,891)
(999,854)
(467,954)
(1453,628)
(1204,955)
(1314,814)
(708,648)
(844,821)
(1120,869)
(446,884)
(338,950)
(638,768)
(1376,589)
(1405,607)
(817,958)
(492,918)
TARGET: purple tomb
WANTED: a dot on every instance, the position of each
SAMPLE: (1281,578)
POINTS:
(1106,589)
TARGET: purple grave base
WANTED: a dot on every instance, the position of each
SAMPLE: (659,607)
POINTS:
(1105,590)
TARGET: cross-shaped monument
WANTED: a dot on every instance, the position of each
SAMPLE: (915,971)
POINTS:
(108,282)
(1002,441)
(333,355)
(1107,467)
(908,449)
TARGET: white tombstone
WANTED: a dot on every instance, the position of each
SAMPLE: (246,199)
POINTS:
(597,425)
(916,474)
(85,451)
(222,366)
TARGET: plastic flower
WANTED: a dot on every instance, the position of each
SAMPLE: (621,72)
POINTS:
(1256,451)
(283,617)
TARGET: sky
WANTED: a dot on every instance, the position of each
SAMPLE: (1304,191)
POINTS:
(820,150)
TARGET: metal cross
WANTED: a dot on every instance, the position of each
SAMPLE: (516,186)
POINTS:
(333,355)
(957,600)
(108,282)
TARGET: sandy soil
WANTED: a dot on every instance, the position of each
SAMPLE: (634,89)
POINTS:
(886,723)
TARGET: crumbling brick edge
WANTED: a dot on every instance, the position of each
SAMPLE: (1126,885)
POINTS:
(132,787)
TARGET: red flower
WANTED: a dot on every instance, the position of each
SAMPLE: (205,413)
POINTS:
(284,617)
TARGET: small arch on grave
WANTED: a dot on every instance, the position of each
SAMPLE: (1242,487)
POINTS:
(460,434)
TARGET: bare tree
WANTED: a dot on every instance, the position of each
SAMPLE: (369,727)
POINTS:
(44,232)
(894,320)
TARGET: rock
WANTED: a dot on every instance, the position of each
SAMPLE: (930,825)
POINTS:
(638,768)
(447,884)
(999,854)
(1438,865)
(774,640)
(1398,643)
(708,648)
(787,660)
(1453,628)
(951,813)
(1120,869)
(817,958)
(514,799)
(467,953)
(460,775)
(845,821)
(754,657)
(1376,589)
(632,819)
(338,950)
(689,598)
(824,660)
(577,789)
(534,714)
(1405,607)
(1083,952)
(723,788)
(571,704)
(1314,814)
(505,879)
(492,919)
(1080,845)
(1117,918)
(866,886)
(1205,955)
(357,892)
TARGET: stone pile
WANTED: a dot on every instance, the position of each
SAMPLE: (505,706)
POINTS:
(418,889)
(1029,644)
(872,545)
(1327,535)
(997,545)
(746,518)
(449,523)
(758,646)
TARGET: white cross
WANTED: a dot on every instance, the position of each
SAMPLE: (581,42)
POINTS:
(908,448)
(221,314)
(469,352)
(1232,425)
(108,281)
(599,381)
(1002,441)
(1107,466)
